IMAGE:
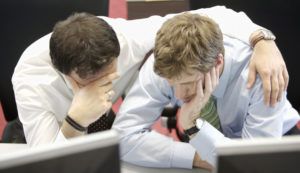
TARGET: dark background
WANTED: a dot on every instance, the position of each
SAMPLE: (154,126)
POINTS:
(25,21)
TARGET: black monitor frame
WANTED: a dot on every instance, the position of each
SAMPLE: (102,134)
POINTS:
(94,153)
(267,155)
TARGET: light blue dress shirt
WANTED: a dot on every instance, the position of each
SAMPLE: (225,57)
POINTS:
(242,111)
(242,114)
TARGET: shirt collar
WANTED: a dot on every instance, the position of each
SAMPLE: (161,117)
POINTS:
(66,81)
(220,89)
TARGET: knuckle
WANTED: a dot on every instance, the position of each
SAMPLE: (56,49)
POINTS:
(274,70)
(287,77)
(266,73)
(208,90)
(112,92)
(281,84)
(268,89)
(275,90)
(273,97)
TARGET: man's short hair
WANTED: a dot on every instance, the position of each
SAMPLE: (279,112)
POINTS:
(83,43)
(187,41)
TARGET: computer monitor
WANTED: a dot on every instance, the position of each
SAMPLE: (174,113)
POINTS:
(92,153)
(267,155)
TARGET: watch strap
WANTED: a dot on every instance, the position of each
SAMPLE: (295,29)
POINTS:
(191,130)
(263,34)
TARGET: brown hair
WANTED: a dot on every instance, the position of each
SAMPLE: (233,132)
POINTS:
(84,43)
(187,41)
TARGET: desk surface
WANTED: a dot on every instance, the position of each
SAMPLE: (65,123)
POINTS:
(125,167)
(129,168)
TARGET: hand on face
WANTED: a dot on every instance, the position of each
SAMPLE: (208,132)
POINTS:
(190,111)
(92,100)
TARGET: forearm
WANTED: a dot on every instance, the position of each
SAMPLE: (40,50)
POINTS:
(263,121)
(152,149)
(74,124)
(232,23)
(140,33)
(41,130)
(69,131)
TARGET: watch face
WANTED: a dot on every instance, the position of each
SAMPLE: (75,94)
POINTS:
(199,123)
(268,35)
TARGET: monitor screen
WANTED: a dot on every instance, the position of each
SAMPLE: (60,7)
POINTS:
(93,153)
(267,155)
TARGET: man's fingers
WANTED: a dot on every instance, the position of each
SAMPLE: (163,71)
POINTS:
(281,86)
(109,95)
(213,77)
(251,76)
(275,90)
(73,84)
(218,73)
(267,90)
(200,93)
(106,79)
(208,84)
(105,88)
(107,106)
(286,78)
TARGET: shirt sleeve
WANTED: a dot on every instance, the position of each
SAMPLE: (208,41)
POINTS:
(136,38)
(234,24)
(60,137)
(265,121)
(205,140)
(40,125)
(140,110)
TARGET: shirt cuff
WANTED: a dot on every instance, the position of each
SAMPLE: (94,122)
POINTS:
(205,141)
(60,137)
(183,155)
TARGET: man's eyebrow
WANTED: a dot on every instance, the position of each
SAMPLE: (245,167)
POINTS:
(187,82)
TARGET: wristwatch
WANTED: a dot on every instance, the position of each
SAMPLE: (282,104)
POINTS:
(262,34)
(199,124)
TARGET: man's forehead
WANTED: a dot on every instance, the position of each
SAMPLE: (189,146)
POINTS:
(107,69)
(110,68)
(187,77)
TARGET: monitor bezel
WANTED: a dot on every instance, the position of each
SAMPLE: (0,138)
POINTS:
(256,146)
(71,146)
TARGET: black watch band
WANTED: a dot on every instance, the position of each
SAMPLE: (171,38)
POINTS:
(191,130)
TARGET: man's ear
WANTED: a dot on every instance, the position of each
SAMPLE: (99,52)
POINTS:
(220,60)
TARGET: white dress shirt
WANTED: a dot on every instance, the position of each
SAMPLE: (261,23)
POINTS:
(241,111)
(43,95)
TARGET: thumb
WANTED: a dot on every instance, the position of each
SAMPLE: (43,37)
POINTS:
(251,76)
(73,83)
